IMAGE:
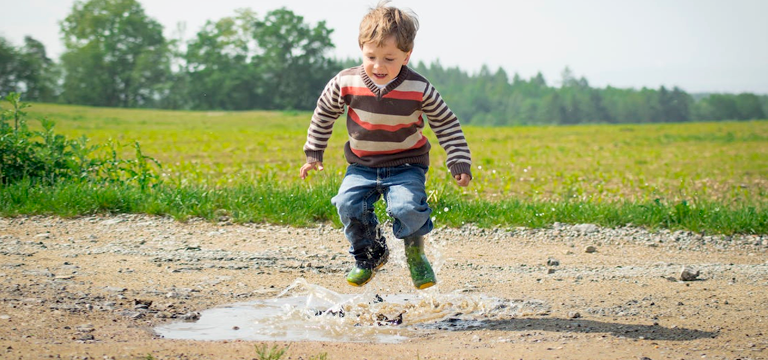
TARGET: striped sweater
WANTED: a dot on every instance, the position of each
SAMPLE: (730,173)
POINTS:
(385,125)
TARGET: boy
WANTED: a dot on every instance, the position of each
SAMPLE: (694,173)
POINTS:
(387,153)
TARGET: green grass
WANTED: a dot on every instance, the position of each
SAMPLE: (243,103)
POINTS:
(709,177)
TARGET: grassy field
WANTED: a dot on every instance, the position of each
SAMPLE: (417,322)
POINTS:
(529,176)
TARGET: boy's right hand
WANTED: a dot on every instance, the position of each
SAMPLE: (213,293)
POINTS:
(310,166)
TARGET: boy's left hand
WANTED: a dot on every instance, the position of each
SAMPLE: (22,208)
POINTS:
(462,179)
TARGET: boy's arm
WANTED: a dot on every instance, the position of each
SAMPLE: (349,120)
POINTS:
(329,107)
(446,126)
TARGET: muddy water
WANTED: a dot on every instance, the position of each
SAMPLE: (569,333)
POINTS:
(308,312)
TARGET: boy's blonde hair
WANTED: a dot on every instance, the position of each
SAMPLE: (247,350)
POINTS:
(384,21)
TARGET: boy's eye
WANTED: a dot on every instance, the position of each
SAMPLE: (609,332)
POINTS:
(390,59)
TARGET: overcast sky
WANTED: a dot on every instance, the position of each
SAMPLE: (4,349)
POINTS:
(698,45)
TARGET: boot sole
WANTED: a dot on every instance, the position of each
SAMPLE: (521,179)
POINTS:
(426,285)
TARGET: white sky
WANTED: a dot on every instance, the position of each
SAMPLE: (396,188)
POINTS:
(698,45)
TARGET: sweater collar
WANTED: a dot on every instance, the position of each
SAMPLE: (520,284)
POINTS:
(394,84)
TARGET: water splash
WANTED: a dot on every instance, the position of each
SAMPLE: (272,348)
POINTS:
(309,312)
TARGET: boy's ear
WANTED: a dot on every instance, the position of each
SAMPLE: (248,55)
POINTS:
(407,57)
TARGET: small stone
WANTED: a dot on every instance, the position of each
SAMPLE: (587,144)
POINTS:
(190,316)
(550,271)
(590,249)
(574,315)
(586,228)
(553,262)
(688,274)
(86,337)
(645,358)
(235,328)
(43,236)
(85,328)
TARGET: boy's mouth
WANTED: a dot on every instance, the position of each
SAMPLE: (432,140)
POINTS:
(380,76)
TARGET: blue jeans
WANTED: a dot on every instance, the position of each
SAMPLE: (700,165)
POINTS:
(405,195)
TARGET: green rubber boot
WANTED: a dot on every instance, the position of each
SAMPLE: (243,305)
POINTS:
(361,274)
(364,270)
(421,272)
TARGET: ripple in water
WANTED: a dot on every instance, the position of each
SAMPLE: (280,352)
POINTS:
(308,312)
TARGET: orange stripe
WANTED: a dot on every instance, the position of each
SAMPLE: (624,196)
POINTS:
(368,126)
(404,95)
(361,153)
(357,91)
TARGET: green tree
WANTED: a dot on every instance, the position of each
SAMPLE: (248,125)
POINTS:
(9,58)
(220,65)
(115,54)
(749,107)
(37,72)
(27,70)
(293,65)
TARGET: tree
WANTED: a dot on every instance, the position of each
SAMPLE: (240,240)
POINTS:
(27,70)
(115,54)
(220,66)
(37,72)
(293,63)
(749,107)
(9,59)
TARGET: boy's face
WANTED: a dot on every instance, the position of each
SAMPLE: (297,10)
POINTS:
(383,63)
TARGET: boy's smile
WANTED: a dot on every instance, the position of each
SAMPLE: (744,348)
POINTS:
(383,63)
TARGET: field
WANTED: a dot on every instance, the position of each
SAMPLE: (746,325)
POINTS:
(547,174)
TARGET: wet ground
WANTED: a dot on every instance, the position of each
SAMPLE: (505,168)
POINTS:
(127,287)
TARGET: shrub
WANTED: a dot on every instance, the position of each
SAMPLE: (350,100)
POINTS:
(44,157)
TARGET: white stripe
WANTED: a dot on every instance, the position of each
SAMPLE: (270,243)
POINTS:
(384,119)
(385,146)
(353,80)
(412,85)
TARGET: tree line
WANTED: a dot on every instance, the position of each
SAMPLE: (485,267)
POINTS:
(117,56)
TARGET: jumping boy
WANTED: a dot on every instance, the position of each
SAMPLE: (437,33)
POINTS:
(387,153)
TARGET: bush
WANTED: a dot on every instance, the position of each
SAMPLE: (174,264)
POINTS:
(44,157)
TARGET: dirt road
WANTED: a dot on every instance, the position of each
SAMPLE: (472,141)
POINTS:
(96,287)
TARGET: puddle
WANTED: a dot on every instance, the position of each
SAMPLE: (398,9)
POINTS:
(308,312)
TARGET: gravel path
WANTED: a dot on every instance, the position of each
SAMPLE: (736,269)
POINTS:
(95,287)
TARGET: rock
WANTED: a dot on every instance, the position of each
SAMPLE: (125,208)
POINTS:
(114,289)
(688,274)
(85,337)
(85,328)
(190,316)
(586,228)
(590,249)
(574,315)
(550,271)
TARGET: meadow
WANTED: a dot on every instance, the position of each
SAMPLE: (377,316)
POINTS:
(244,165)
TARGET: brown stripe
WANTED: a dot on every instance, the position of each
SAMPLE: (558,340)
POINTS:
(360,133)
(383,106)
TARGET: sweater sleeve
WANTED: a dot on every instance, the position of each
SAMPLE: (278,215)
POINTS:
(446,126)
(330,106)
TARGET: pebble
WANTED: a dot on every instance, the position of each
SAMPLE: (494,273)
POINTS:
(574,315)
(553,262)
(590,249)
(689,274)
(586,228)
